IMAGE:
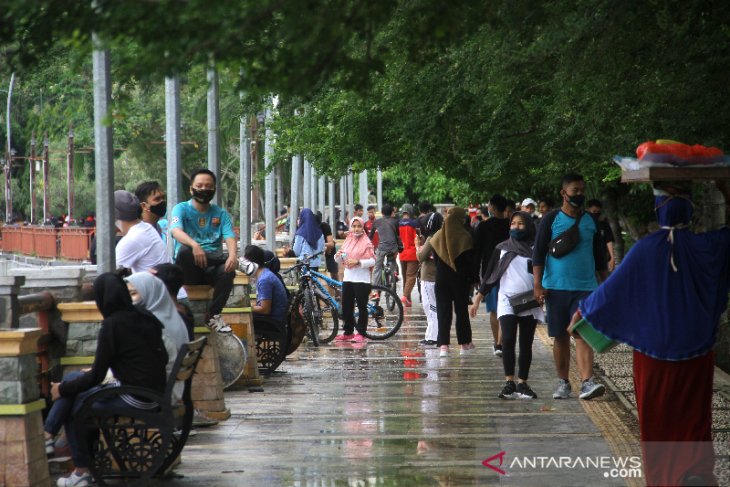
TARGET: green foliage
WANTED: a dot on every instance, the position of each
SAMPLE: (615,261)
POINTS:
(452,102)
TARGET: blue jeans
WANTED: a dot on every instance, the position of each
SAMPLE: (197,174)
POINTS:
(62,414)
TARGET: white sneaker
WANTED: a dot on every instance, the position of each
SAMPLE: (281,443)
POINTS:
(51,447)
(217,324)
(444,352)
(74,480)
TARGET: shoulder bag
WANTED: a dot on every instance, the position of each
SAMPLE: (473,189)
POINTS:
(564,243)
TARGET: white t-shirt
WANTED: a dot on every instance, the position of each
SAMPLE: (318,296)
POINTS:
(516,280)
(142,249)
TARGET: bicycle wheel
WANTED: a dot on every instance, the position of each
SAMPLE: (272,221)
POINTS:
(382,322)
(330,323)
(312,316)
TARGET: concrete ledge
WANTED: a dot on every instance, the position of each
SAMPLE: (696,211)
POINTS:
(84,360)
(19,341)
(85,311)
(22,409)
(236,310)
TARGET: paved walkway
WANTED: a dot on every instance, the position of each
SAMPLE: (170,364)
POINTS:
(390,414)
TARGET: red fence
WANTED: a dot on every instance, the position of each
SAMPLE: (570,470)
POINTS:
(47,242)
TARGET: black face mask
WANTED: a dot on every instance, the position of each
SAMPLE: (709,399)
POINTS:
(203,196)
(159,209)
(577,200)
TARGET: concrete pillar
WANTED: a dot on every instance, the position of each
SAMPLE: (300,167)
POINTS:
(313,185)
(294,202)
(363,189)
(244,150)
(214,163)
(380,189)
(9,309)
(350,195)
(343,198)
(172,148)
(321,195)
(270,214)
(307,186)
(331,209)
(23,460)
(104,159)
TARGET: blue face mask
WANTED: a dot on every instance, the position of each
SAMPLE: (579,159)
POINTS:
(518,234)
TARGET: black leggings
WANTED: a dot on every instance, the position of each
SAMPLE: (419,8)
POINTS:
(355,292)
(509,324)
(452,297)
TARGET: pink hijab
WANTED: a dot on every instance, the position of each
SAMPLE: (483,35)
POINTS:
(358,246)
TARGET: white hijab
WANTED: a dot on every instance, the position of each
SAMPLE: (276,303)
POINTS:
(156,299)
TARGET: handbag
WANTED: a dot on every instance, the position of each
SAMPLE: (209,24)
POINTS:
(564,243)
(523,301)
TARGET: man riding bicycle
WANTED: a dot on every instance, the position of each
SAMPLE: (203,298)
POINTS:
(388,241)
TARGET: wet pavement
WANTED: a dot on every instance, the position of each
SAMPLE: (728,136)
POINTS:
(390,413)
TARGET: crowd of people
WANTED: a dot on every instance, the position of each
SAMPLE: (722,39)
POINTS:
(536,263)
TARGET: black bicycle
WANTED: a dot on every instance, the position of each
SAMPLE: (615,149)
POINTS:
(389,278)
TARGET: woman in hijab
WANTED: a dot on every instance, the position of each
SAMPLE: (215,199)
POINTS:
(150,293)
(511,269)
(130,344)
(358,256)
(455,274)
(309,238)
(665,300)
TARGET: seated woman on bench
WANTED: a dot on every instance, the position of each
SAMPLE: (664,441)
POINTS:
(130,344)
(271,296)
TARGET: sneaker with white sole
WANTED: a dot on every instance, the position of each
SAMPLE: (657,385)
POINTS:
(444,351)
(51,447)
(563,390)
(73,480)
(201,420)
(509,391)
(524,391)
(591,389)
(217,324)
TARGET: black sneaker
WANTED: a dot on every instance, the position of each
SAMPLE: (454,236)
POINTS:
(428,343)
(498,350)
(508,391)
(525,392)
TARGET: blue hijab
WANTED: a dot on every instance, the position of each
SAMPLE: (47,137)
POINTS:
(666,297)
(309,228)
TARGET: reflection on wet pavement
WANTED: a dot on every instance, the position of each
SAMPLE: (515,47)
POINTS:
(393,414)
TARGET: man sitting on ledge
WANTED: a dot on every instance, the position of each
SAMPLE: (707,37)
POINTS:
(199,229)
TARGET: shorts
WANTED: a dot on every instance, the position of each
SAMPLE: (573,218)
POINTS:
(490,300)
(561,306)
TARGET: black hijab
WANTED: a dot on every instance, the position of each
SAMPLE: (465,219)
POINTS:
(512,247)
(111,295)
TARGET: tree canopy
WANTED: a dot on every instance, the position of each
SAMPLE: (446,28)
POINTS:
(453,100)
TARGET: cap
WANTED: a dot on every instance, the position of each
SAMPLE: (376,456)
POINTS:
(407,208)
(126,206)
(528,201)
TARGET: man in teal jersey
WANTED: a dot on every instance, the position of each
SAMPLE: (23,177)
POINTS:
(560,282)
(199,229)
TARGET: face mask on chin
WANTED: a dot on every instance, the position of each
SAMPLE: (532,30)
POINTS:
(203,196)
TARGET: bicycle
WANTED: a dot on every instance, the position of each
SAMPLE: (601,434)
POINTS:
(382,323)
(389,278)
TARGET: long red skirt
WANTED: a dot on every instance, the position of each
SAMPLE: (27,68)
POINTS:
(674,399)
